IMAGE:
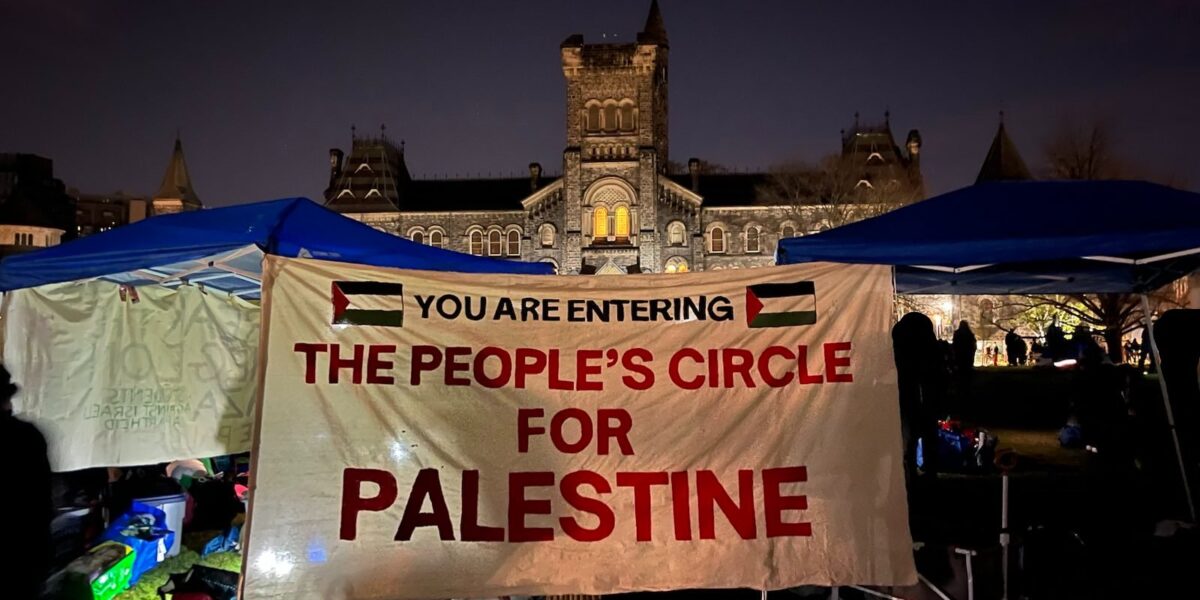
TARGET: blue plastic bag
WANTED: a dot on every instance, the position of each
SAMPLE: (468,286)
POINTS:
(143,528)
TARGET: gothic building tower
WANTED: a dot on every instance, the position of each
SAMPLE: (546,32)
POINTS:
(176,194)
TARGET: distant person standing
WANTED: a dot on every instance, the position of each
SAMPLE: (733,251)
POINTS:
(25,504)
(1010,346)
(964,348)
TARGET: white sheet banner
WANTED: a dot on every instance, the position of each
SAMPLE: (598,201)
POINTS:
(440,435)
(122,376)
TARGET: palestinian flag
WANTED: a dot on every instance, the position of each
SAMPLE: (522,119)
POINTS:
(781,304)
(374,303)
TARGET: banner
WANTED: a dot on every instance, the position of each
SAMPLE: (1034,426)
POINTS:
(118,376)
(441,435)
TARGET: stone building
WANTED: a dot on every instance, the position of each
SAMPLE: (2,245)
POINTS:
(176,193)
(35,209)
(97,213)
(617,207)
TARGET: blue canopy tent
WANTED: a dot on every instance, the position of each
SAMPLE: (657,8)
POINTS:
(222,248)
(1024,237)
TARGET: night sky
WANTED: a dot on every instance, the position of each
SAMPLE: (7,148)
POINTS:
(261,91)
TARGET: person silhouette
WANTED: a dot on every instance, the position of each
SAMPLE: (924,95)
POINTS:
(27,510)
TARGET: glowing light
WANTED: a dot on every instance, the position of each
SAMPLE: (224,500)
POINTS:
(399,451)
(274,563)
(947,306)
(1070,362)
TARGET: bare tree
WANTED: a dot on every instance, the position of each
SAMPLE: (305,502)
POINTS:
(1080,152)
(835,191)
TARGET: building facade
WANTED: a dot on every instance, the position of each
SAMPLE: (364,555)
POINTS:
(35,209)
(617,206)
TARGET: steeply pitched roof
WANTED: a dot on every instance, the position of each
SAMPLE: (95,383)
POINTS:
(176,182)
(1003,162)
(727,189)
(655,31)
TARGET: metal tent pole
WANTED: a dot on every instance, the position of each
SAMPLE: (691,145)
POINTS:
(1162,384)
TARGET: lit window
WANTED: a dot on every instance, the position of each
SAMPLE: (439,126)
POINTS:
(546,233)
(437,239)
(716,240)
(752,240)
(495,243)
(600,223)
(417,236)
(676,264)
(675,234)
(787,231)
(514,243)
(477,243)
(621,226)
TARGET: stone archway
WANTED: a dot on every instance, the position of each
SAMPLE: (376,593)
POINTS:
(610,268)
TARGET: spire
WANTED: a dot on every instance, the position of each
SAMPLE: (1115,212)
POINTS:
(1003,162)
(655,31)
(177,184)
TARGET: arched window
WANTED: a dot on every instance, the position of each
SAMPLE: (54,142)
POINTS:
(477,242)
(676,234)
(437,239)
(716,240)
(417,236)
(621,225)
(546,235)
(676,264)
(600,223)
(495,243)
(552,262)
(627,120)
(592,118)
(788,231)
(610,117)
(753,244)
(514,243)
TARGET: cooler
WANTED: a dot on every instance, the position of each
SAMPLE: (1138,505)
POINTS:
(175,506)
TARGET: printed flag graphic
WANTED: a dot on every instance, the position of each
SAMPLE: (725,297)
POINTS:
(376,303)
(781,304)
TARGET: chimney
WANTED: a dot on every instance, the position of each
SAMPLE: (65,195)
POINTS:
(335,164)
(535,174)
(694,171)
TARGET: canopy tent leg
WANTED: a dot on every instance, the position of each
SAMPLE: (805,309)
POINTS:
(1162,384)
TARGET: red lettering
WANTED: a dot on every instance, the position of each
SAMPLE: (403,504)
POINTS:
(556,382)
(634,360)
(427,485)
(519,506)
(673,369)
(310,359)
(584,370)
(353,502)
(524,429)
(469,526)
(710,494)
(606,430)
(558,421)
(481,372)
(680,501)
(375,364)
(641,482)
(454,365)
(337,363)
(604,514)
(737,361)
(529,362)
(802,367)
(833,362)
(764,366)
(424,359)
(774,502)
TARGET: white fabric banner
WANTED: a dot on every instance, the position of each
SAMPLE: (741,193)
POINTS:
(120,376)
(441,435)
